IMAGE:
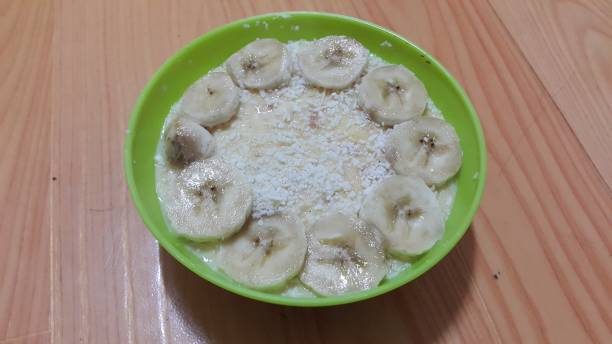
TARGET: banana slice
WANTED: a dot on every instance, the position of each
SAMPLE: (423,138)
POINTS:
(186,142)
(265,255)
(425,146)
(212,100)
(392,94)
(344,255)
(332,62)
(211,201)
(407,213)
(261,64)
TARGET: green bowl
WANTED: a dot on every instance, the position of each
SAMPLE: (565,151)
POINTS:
(213,48)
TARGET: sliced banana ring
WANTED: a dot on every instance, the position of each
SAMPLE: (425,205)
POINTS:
(407,213)
(344,255)
(212,201)
(333,62)
(212,100)
(392,94)
(261,64)
(265,255)
(186,142)
(425,146)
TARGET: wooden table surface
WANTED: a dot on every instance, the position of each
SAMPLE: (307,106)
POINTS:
(78,266)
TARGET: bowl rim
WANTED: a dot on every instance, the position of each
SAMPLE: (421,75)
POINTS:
(276,298)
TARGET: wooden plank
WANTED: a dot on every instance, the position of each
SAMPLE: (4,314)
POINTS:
(36,338)
(544,219)
(569,46)
(25,75)
(543,228)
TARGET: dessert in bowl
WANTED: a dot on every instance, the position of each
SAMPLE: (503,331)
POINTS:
(318,160)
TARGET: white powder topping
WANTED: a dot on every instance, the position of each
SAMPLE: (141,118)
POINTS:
(264,23)
(396,267)
(305,151)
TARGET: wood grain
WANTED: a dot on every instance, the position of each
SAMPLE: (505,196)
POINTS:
(36,338)
(569,46)
(534,267)
(25,76)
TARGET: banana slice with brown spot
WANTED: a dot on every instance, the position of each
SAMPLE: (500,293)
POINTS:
(210,202)
(262,64)
(344,255)
(425,146)
(186,141)
(332,62)
(392,94)
(407,212)
(212,100)
(266,254)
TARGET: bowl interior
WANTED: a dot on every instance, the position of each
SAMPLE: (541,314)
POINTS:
(213,48)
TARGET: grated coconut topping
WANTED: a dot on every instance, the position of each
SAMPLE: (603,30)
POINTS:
(306,151)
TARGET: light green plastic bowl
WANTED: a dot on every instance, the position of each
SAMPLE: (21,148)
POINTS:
(213,48)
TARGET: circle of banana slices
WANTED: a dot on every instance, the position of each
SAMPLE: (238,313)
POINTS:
(339,253)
